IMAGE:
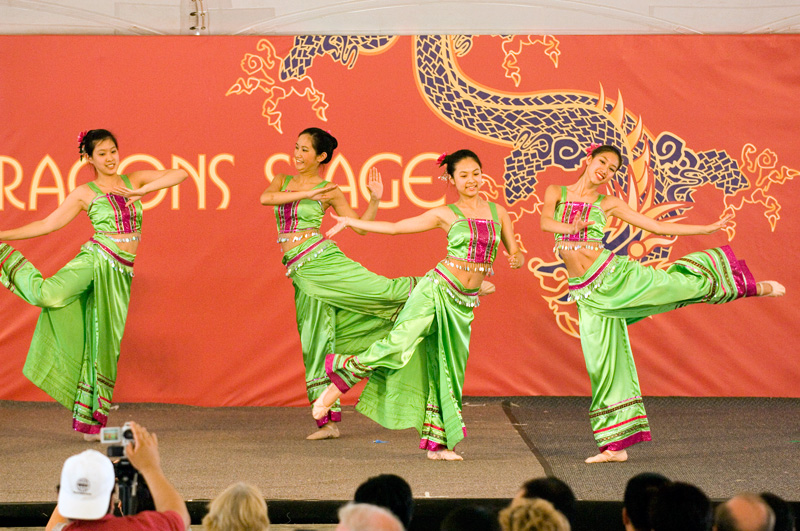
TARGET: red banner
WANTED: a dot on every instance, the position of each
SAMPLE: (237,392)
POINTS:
(707,123)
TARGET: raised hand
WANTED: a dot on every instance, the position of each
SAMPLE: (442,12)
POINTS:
(321,194)
(579,224)
(375,184)
(341,223)
(721,224)
(515,260)
(131,195)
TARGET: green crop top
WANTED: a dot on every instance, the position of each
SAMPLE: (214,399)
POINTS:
(568,211)
(474,241)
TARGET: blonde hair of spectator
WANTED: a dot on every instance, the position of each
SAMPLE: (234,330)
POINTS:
(240,507)
(533,514)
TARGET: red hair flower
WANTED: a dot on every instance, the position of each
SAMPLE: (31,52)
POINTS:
(82,135)
(441,158)
(592,147)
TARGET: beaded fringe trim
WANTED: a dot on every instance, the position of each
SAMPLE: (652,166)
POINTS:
(477,267)
(574,246)
(585,291)
(321,246)
(298,238)
(470,301)
(115,265)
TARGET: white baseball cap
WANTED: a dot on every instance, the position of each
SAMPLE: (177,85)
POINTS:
(87,481)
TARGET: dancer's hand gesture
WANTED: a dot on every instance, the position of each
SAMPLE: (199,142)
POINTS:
(131,195)
(579,224)
(515,260)
(714,227)
(321,194)
(375,185)
(341,223)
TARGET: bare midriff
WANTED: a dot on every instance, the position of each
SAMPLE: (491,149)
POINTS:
(468,273)
(578,261)
(290,240)
(128,242)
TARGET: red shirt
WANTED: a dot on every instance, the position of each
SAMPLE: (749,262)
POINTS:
(143,521)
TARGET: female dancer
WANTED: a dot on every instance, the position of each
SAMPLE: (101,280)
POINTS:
(416,373)
(613,292)
(75,347)
(340,305)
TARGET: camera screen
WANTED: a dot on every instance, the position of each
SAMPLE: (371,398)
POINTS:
(110,435)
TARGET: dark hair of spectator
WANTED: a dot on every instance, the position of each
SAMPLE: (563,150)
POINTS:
(681,507)
(639,493)
(555,491)
(470,518)
(389,491)
(784,516)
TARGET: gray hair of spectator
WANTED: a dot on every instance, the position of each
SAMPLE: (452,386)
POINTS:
(240,507)
(726,521)
(366,517)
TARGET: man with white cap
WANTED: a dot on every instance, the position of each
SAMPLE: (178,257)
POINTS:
(85,500)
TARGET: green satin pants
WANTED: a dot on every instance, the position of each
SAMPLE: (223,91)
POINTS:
(616,292)
(75,347)
(341,307)
(416,373)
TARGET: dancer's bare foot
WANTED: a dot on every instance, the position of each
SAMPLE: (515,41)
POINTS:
(323,404)
(444,455)
(770,288)
(328,431)
(91,437)
(609,456)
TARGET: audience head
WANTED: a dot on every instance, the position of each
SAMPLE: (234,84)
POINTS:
(87,483)
(553,490)
(784,516)
(680,507)
(389,491)
(366,517)
(240,507)
(639,493)
(470,518)
(532,515)
(744,512)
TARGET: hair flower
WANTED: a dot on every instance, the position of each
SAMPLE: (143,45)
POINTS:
(441,158)
(82,135)
(592,147)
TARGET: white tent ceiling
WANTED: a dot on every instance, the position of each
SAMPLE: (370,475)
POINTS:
(281,17)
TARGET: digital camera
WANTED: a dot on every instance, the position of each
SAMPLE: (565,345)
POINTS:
(134,496)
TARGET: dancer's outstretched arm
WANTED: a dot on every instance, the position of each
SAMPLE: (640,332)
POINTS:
(274,196)
(616,207)
(146,181)
(58,218)
(431,219)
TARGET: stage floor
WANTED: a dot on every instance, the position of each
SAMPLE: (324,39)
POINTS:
(206,449)
(722,445)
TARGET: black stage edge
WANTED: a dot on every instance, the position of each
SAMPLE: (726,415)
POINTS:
(428,514)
